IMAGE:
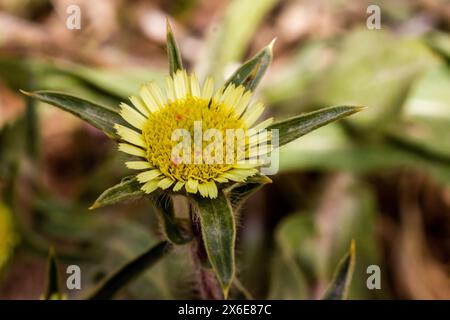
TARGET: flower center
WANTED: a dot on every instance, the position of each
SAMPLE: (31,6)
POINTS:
(188,114)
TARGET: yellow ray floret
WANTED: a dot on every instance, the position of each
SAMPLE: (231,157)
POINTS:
(155,115)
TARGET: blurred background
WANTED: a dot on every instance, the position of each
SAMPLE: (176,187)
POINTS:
(381,177)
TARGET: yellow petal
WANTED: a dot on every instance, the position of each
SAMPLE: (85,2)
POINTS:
(131,116)
(191,186)
(130,135)
(239,175)
(218,95)
(148,99)
(139,104)
(233,177)
(208,88)
(195,86)
(187,83)
(212,189)
(234,96)
(157,94)
(243,103)
(221,179)
(253,113)
(227,94)
(203,189)
(178,186)
(180,84)
(148,175)
(138,165)
(170,89)
(128,148)
(165,183)
(150,186)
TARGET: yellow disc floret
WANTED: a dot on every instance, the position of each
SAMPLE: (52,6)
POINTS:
(160,126)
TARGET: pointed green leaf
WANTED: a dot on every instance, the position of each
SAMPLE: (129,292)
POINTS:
(293,128)
(129,188)
(176,230)
(173,53)
(129,272)
(99,116)
(219,234)
(52,291)
(250,73)
(342,279)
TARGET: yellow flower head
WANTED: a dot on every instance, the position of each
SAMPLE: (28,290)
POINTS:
(155,117)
